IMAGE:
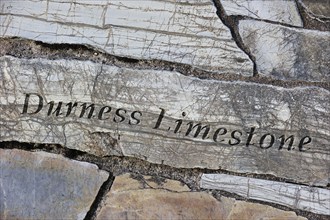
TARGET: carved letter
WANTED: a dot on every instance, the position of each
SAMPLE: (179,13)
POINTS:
(104,110)
(90,114)
(70,107)
(251,133)
(198,130)
(160,118)
(179,123)
(57,111)
(216,133)
(303,142)
(135,118)
(272,139)
(122,117)
(26,104)
(238,140)
(283,141)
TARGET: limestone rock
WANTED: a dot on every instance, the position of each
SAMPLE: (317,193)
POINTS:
(319,8)
(283,11)
(296,196)
(287,53)
(134,198)
(39,185)
(131,181)
(166,118)
(176,31)
(245,211)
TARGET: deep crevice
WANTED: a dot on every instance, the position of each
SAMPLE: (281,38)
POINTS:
(299,9)
(104,189)
(81,48)
(232,23)
(23,48)
(50,148)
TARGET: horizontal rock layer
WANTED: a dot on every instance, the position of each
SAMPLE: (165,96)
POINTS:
(39,185)
(287,53)
(177,31)
(141,197)
(167,118)
(306,198)
(283,11)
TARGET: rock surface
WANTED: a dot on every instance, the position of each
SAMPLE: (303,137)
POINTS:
(141,197)
(39,185)
(311,199)
(287,53)
(319,8)
(235,86)
(167,118)
(283,11)
(177,31)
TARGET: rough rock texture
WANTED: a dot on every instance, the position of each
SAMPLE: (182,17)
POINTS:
(106,110)
(318,8)
(287,53)
(306,198)
(245,211)
(177,31)
(172,89)
(39,185)
(283,11)
(142,197)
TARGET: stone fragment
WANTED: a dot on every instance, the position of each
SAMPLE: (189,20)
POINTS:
(283,11)
(319,8)
(134,198)
(245,211)
(176,31)
(311,199)
(287,53)
(40,185)
(166,118)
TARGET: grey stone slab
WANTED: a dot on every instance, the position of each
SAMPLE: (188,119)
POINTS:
(167,118)
(287,53)
(40,185)
(176,31)
(311,199)
(284,11)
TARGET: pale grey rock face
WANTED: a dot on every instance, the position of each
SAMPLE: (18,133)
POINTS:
(319,8)
(176,31)
(287,53)
(39,185)
(312,199)
(167,118)
(283,11)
